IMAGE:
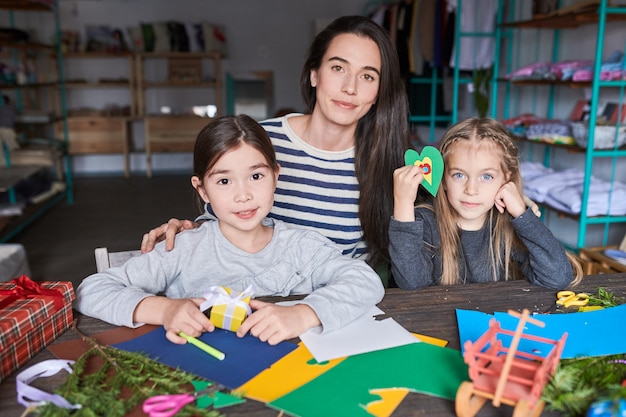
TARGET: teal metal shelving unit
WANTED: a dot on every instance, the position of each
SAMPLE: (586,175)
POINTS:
(570,21)
(12,175)
(458,81)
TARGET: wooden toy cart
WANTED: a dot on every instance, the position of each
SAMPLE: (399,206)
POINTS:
(505,374)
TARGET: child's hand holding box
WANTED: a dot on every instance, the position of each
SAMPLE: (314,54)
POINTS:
(226,308)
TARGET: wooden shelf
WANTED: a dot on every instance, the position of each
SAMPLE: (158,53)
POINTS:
(208,55)
(184,70)
(27,46)
(567,18)
(175,84)
(95,84)
(97,54)
(595,261)
(30,5)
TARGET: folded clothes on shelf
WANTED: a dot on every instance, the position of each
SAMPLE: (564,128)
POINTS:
(578,70)
(562,190)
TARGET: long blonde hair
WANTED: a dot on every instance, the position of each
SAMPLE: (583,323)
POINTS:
(503,241)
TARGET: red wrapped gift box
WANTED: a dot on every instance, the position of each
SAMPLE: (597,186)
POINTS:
(32,315)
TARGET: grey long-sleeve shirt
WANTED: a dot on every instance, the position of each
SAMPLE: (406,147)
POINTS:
(416,259)
(296,261)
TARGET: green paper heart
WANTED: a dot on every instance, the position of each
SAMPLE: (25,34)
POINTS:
(431,162)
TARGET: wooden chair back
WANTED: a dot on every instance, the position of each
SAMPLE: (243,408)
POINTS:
(106,259)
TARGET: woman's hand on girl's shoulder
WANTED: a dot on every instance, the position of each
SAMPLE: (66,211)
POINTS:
(167,231)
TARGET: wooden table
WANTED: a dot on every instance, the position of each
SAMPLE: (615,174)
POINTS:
(429,311)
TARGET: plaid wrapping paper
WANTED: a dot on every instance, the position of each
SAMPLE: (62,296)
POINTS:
(28,325)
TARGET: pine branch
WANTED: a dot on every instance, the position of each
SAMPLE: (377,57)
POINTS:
(578,382)
(121,383)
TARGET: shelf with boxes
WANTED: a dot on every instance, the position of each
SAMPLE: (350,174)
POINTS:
(100,123)
(193,78)
(35,170)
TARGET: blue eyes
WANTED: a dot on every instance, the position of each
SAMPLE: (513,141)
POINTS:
(459,177)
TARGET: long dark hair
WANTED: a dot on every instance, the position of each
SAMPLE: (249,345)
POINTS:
(382,135)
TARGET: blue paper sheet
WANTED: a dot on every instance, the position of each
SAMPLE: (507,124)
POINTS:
(245,357)
(593,333)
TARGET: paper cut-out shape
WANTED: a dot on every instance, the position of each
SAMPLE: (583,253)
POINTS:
(296,369)
(432,340)
(390,399)
(218,399)
(591,333)
(245,358)
(349,386)
(431,162)
(290,372)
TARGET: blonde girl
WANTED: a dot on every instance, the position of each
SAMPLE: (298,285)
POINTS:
(478,228)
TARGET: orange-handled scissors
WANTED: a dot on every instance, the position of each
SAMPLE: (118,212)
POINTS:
(571,299)
(170,404)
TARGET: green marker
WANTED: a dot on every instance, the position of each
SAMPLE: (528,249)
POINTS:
(201,345)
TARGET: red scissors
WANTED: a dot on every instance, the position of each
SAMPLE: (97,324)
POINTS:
(169,404)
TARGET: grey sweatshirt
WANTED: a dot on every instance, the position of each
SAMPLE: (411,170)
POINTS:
(296,261)
(416,258)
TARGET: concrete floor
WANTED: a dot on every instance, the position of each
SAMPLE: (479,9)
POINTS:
(107,211)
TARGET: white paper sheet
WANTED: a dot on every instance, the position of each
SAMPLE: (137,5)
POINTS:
(363,335)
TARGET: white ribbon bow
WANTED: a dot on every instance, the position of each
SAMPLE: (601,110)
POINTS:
(218,295)
(31,396)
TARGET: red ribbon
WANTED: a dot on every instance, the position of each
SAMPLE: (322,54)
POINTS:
(27,288)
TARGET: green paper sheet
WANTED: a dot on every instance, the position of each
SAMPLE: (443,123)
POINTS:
(345,389)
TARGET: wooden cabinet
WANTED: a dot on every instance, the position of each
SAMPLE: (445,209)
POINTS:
(164,81)
(148,89)
(97,135)
(595,261)
(100,123)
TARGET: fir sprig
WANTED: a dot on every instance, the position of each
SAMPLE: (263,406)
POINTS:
(578,382)
(123,381)
(605,298)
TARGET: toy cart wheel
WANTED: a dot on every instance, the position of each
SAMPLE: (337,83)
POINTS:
(522,409)
(466,403)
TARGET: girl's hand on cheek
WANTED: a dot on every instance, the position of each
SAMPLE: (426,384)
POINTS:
(509,199)
(274,324)
(184,315)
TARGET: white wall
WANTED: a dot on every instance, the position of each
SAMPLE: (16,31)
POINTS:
(262,35)
(268,35)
